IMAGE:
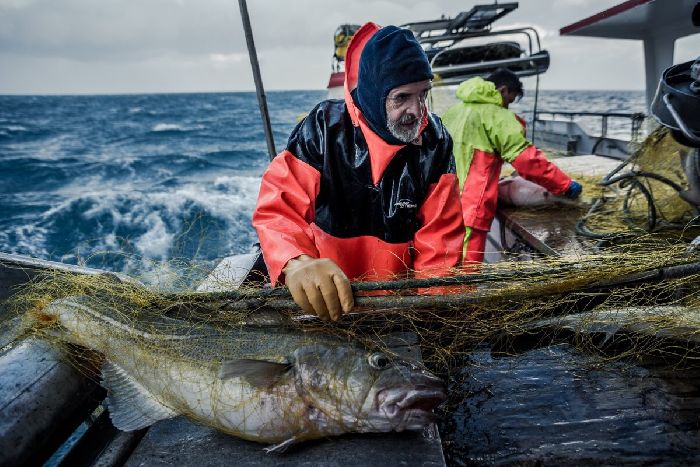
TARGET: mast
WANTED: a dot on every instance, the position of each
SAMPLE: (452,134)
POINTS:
(259,90)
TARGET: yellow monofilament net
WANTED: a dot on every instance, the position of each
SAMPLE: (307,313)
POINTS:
(643,195)
(498,299)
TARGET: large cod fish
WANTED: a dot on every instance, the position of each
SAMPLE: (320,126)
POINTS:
(261,383)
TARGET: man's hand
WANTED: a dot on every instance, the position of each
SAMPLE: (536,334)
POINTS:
(319,286)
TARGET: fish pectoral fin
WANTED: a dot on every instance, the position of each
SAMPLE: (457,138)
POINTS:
(131,406)
(259,373)
(281,447)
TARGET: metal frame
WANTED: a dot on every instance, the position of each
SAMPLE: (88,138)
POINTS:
(538,59)
(636,118)
(461,21)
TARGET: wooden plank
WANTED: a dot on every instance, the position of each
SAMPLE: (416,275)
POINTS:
(119,448)
(551,230)
(101,444)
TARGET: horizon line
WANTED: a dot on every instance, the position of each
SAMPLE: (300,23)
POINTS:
(139,93)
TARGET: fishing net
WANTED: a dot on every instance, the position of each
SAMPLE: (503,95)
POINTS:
(176,346)
(642,194)
(498,300)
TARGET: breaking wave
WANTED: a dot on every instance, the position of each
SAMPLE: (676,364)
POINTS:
(123,182)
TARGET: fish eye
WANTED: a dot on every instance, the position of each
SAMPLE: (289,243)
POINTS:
(378,361)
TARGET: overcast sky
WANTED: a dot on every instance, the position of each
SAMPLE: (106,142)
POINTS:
(132,46)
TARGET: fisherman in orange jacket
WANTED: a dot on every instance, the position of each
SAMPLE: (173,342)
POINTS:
(366,188)
(485,134)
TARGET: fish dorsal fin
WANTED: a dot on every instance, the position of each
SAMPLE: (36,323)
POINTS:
(259,373)
(131,406)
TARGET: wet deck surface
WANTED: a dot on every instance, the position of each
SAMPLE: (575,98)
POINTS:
(180,442)
(550,230)
(555,406)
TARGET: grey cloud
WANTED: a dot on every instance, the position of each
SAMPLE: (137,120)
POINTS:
(93,46)
(118,29)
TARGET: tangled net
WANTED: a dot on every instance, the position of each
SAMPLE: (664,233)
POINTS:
(499,302)
(642,194)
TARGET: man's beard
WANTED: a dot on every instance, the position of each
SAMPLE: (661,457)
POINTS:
(401,130)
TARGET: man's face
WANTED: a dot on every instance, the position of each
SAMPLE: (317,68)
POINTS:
(405,108)
(508,96)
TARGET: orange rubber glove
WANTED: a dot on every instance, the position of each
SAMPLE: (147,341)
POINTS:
(319,286)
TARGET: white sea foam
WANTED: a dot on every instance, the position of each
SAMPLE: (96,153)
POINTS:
(175,127)
(26,239)
(16,128)
(49,149)
(157,217)
(157,240)
(167,127)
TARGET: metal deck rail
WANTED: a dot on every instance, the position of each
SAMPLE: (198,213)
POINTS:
(636,119)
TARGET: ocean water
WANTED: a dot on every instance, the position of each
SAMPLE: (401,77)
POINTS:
(587,101)
(130,182)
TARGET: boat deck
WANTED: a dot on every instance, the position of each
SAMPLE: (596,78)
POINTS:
(542,402)
(549,230)
(536,398)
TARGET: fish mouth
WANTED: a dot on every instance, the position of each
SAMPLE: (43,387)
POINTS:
(413,409)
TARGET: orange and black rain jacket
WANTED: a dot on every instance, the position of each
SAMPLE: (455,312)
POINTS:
(339,191)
